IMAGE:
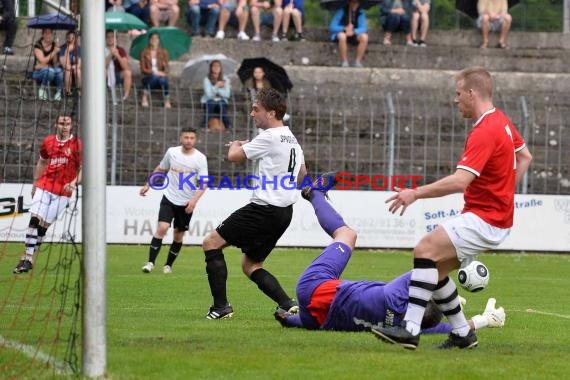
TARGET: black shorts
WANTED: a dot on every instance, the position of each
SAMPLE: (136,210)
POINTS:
(169,211)
(256,229)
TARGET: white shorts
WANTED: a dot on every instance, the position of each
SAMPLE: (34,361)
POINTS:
(48,206)
(471,236)
(494,26)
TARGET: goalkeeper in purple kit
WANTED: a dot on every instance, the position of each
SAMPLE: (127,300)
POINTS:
(328,303)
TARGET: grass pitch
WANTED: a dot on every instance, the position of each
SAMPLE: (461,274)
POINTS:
(156,327)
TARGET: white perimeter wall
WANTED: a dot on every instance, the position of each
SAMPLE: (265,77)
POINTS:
(542,222)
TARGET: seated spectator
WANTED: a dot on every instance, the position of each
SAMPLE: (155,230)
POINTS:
(217,91)
(256,82)
(141,9)
(420,21)
(154,68)
(164,11)
(267,13)
(9,24)
(349,25)
(292,10)
(114,6)
(70,61)
(46,65)
(395,16)
(236,13)
(203,12)
(117,64)
(493,17)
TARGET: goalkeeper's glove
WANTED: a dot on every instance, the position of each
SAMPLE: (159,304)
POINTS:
(491,317)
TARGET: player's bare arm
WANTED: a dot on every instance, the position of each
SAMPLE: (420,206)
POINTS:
(71,186)
(302,174)
(146,186)
(236,152)
(455,183)
(523,158)
(40,167)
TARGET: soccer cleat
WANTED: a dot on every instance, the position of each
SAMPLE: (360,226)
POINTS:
(23,267)
(281,316)
(454,340)
(167,269)
(148,267)
(225,312)
(292,308)
(323,183)
(397,335)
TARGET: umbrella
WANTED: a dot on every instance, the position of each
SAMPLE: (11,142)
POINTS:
(56,21)
(195,70)
(174,40)
(333,5)
(123,21)
(274,73)
(469,7)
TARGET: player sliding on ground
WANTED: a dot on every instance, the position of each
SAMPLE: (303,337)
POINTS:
(328,303)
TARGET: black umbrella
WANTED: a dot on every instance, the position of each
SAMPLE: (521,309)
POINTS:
(275,74)
(333,5)
(55,21)
(469,7)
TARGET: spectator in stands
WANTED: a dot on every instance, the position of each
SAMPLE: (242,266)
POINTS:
(114,6)
(235,12)
(166,11)
(154,68)
(9,24)
(70,61)
(141,9)
(46,65)
(202,12)
(267,13)
(117,64)
(420,21)
(395,16)
(349,25)
(217,91)
(493,17)
(293,10)
(257,81)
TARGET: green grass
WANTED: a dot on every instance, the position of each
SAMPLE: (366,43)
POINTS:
(156,330)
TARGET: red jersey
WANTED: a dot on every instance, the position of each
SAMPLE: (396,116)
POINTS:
(63,163)
(490,155)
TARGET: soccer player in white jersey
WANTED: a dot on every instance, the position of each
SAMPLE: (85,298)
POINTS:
(183,163)
(56,176)
(256,227)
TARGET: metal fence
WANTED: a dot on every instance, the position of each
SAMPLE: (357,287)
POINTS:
(370,132)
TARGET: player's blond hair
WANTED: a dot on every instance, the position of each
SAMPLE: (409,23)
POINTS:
(477,79)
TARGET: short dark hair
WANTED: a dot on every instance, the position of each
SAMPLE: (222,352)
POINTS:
(188,130)
(272,100)
(432,315)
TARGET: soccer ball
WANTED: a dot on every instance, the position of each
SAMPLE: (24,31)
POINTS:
(473,277)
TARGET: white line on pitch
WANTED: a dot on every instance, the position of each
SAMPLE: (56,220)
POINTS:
(532,311)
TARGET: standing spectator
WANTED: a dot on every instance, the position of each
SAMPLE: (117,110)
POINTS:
(493,17)
(166,11)
(420,21)
(292,10)
(9,24)
(395,16)
(154,67)
(202,12)
(179,199)
(46,66)
(70,61)
(57,174)
(235,12)
(495,158)
(257,226)
(267,13)
(117,64)
(217,91)
(349,25)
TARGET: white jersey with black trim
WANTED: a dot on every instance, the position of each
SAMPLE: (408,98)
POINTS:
(184,170)
(277,160)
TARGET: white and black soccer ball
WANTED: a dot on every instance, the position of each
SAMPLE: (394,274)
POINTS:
(473,277)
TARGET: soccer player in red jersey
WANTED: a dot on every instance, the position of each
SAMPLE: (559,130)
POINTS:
(56,176)
(494,160)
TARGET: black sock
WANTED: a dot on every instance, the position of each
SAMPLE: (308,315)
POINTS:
(154,249)
(173,253)
(217,276)
(269,285)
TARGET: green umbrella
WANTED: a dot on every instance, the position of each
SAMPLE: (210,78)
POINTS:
(123,21)
(174,40)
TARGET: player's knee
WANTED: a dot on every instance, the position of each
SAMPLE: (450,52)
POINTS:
(34,222)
